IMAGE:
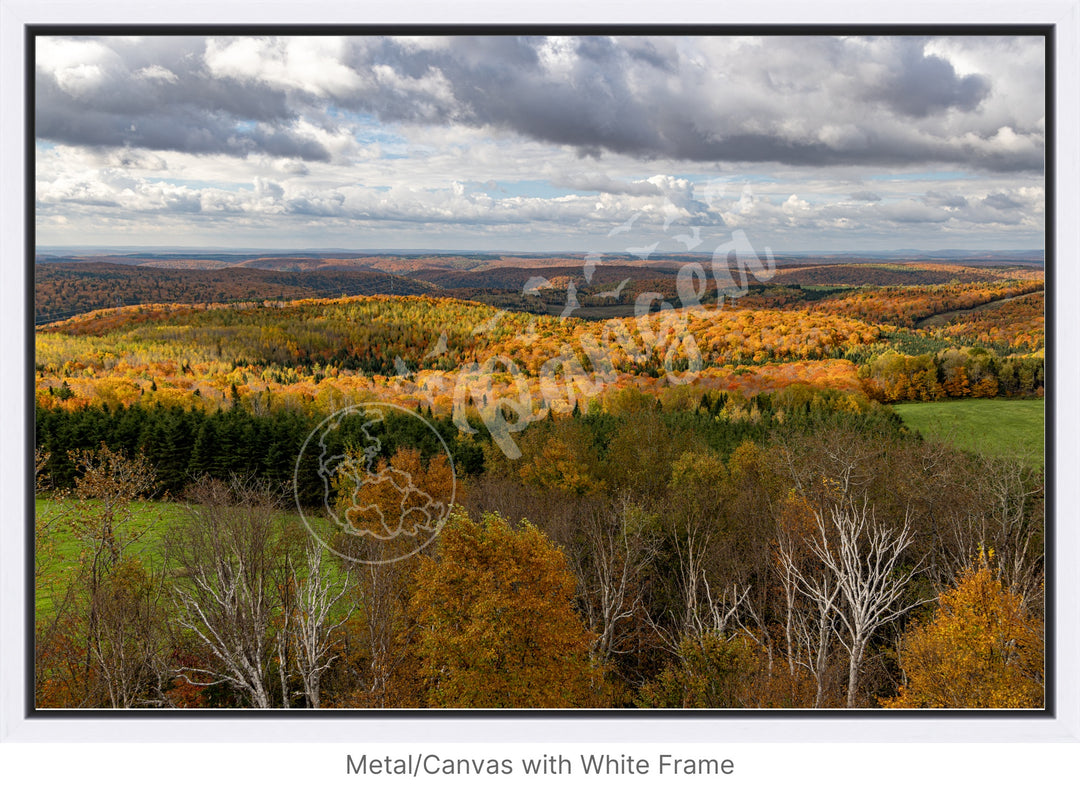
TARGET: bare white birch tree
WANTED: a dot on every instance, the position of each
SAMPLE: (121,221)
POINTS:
(226,592)
(309,627)
(706,610)
(809,630)
(862,556)
(620,542)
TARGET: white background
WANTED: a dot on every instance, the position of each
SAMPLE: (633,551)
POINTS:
(807,757)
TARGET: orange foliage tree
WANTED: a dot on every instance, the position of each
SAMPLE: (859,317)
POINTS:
(497,624)
(983,649)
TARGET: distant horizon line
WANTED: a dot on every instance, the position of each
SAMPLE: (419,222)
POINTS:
(83,248)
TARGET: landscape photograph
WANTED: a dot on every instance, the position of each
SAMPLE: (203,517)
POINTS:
(595,371)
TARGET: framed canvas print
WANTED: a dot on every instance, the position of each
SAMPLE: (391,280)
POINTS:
(541,375)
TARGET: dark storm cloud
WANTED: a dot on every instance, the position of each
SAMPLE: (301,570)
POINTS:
(180,131)
(159,96)
(917,85)
(802,101)
(865,196)
(774,101)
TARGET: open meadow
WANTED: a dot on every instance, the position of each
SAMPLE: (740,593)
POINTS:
(995,427)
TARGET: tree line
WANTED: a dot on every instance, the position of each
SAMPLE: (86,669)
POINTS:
(182,445)
(952,373)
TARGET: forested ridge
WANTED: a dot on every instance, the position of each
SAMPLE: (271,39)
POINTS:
(63,290)
(307,350)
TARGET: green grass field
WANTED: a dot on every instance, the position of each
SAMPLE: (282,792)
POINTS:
(995,426)
(60,556)
(148,525)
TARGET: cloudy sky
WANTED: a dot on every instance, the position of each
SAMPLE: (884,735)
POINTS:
(540,144)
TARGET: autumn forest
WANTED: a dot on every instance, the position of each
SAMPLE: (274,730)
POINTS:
(656,487)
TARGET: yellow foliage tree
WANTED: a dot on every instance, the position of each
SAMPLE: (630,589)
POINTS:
(563,460)
(983,649)
(497,625)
